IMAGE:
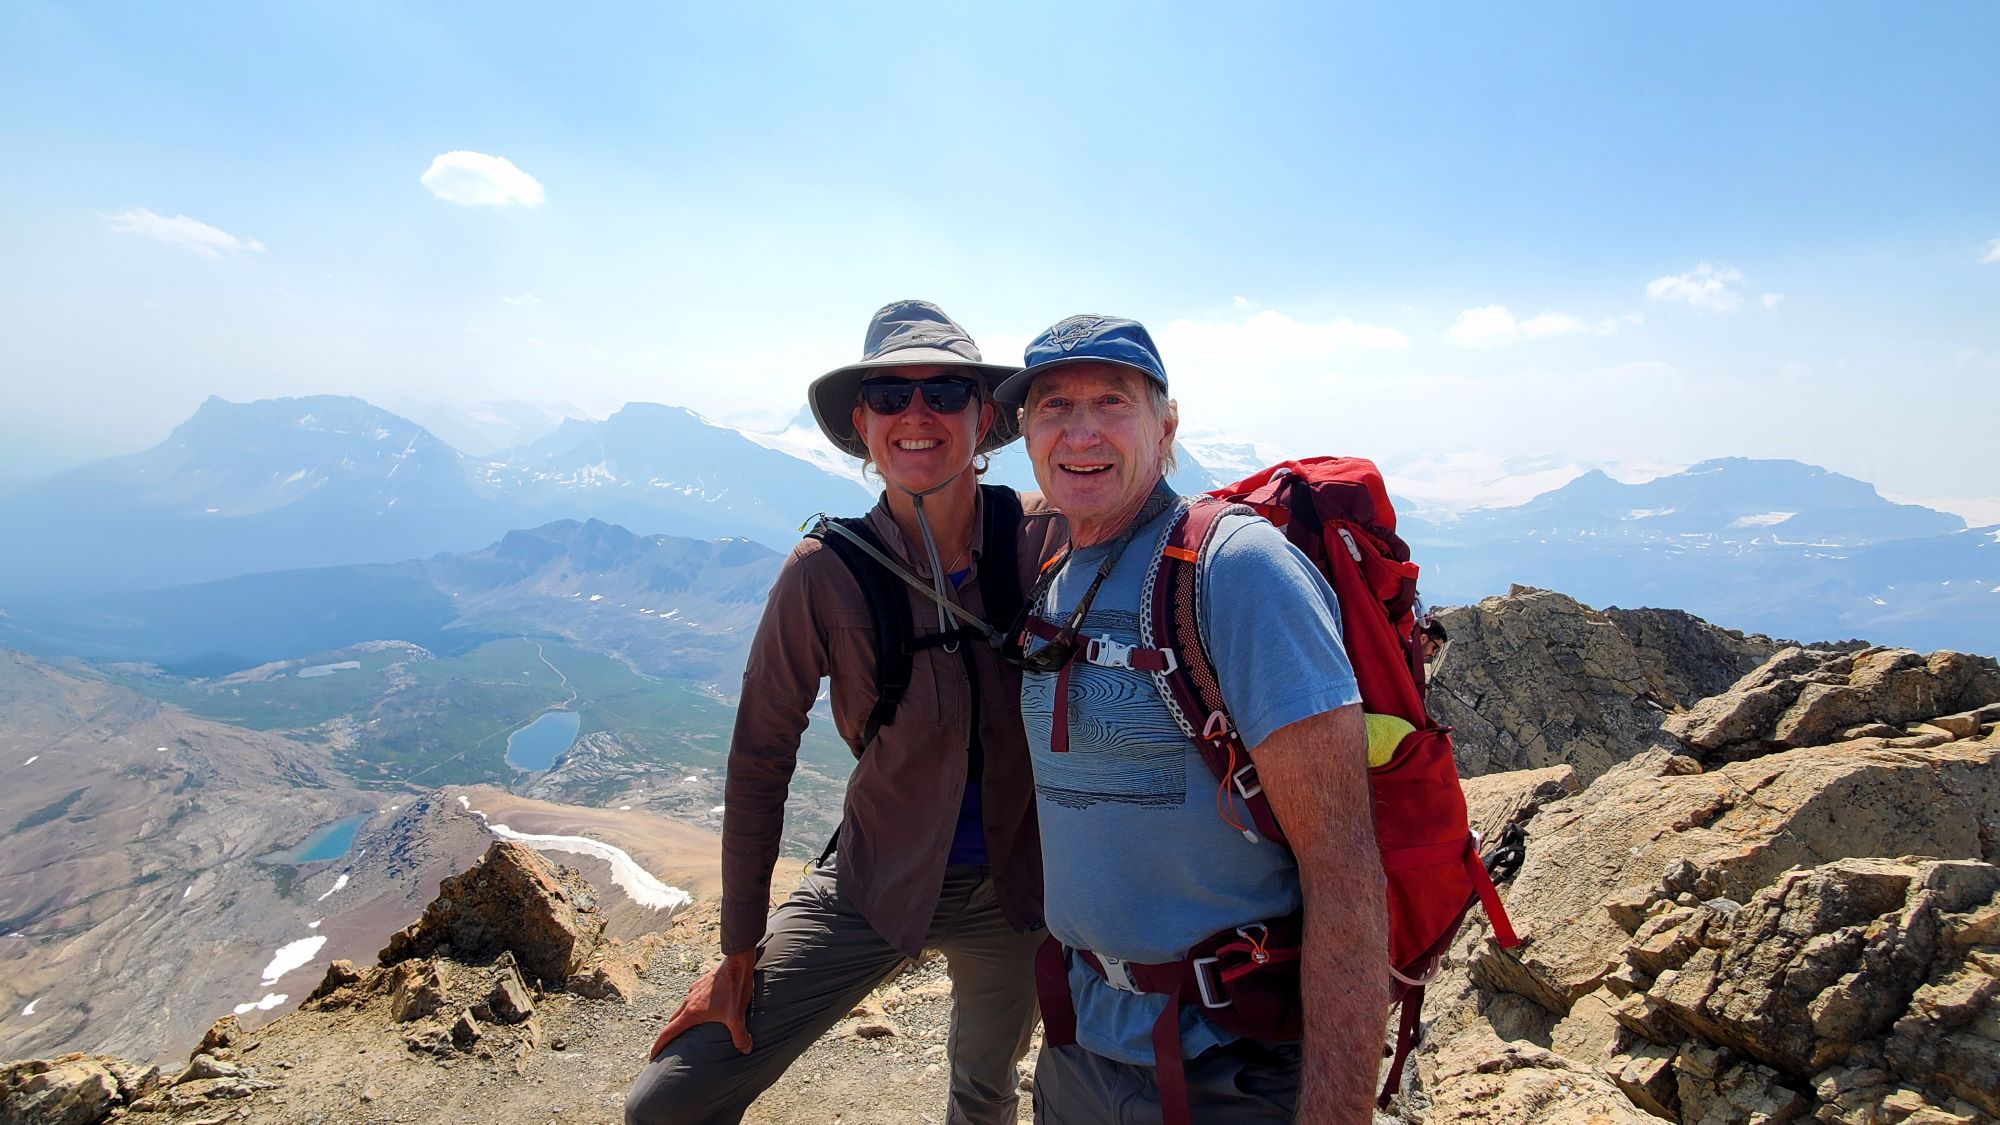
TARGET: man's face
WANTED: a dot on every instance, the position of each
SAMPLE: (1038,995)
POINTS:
(1097,445)
(917,448)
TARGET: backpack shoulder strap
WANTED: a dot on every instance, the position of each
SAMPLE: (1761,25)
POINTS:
(1170,618)
(999,560)
(888,610)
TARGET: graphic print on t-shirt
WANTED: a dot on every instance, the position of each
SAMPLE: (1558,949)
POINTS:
(1123,746)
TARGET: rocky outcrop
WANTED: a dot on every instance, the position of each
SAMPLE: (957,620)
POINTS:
(1481,1079)
(493,1047)
(73,1089)
(513,900)
(1536,679)
(1693,658)
(1806,697)
(1660,829)
(1497,801)
(1732,930)
(1861,976)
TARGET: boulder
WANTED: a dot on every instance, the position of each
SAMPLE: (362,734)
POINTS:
(1807,697)
(1647,833)
(1692,657)
(1479,1078)
(224,1032)
(416,989)
(1829,958)
(509,1001)
(1537,679)
(67,1090)
(511,900)
(1495,801)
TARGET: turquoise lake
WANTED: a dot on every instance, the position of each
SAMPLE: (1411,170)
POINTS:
(331,841)
(536,746)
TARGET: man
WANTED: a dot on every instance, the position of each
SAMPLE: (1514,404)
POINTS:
(1142,859)
(937,844)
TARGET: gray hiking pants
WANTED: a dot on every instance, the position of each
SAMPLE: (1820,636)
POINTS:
(819,958)
(1243,1083)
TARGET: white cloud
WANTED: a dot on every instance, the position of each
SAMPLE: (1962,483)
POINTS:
(1552,324)
(1771,300)
(1492,326)
(1992,255)
(1242,302)
(474,179)
(1271,336)
(1489,326)
(1705,287)
(208,241)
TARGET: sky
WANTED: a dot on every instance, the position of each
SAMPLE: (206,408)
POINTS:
(1624,233)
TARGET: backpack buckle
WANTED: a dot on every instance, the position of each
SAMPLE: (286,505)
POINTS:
(1211,994)
(1250,788)
(1106,653)
(1116,974)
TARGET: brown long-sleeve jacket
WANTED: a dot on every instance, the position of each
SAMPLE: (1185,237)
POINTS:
(903,798)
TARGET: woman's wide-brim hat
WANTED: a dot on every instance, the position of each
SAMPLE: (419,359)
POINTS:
(904,334)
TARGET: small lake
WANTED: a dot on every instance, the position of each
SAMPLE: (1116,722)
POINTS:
(536,746)
(331,841)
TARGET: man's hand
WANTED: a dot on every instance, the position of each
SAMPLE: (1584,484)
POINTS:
(722,995)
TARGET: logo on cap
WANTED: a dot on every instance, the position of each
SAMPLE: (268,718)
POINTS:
(1074,331)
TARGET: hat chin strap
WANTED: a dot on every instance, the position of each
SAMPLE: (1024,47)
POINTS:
(930,549)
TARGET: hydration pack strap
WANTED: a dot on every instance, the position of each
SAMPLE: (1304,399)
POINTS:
(1169,620)
(1406,1041)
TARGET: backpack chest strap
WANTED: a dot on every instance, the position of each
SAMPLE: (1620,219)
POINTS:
(1100,650)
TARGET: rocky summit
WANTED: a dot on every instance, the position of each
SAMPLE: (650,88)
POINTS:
(1758,883)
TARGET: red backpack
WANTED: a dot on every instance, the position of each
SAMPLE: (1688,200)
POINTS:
(1336,510)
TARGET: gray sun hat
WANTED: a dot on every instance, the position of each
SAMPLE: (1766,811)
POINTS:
(902,334)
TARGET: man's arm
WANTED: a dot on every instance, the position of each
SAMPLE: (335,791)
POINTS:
(1315,774)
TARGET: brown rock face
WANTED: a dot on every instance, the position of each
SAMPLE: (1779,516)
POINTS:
(1536,679)
(1481,1079)
(1831,957)
(1644,835)
(70,1089)
(1494,801)
(1693,658)
(1805,697)
(512,900)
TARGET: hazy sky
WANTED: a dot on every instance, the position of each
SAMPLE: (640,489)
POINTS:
(1614,231)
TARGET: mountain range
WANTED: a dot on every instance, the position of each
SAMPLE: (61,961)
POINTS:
(677,608)
(291,485)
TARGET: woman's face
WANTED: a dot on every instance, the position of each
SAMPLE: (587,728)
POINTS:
(920,447)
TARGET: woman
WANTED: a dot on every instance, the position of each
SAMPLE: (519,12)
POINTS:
(937,845)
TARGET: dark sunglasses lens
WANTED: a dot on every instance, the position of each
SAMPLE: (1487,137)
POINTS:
(949,394)
(888,396)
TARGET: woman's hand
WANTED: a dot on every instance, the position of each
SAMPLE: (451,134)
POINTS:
(722,995)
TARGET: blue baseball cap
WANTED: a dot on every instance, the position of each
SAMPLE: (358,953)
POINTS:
(1080,339)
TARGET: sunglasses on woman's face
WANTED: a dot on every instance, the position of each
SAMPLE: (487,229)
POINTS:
(944,394)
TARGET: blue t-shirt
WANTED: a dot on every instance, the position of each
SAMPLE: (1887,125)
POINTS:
(1138,862)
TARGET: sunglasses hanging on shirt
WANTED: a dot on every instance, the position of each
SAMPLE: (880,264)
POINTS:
(944,394)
